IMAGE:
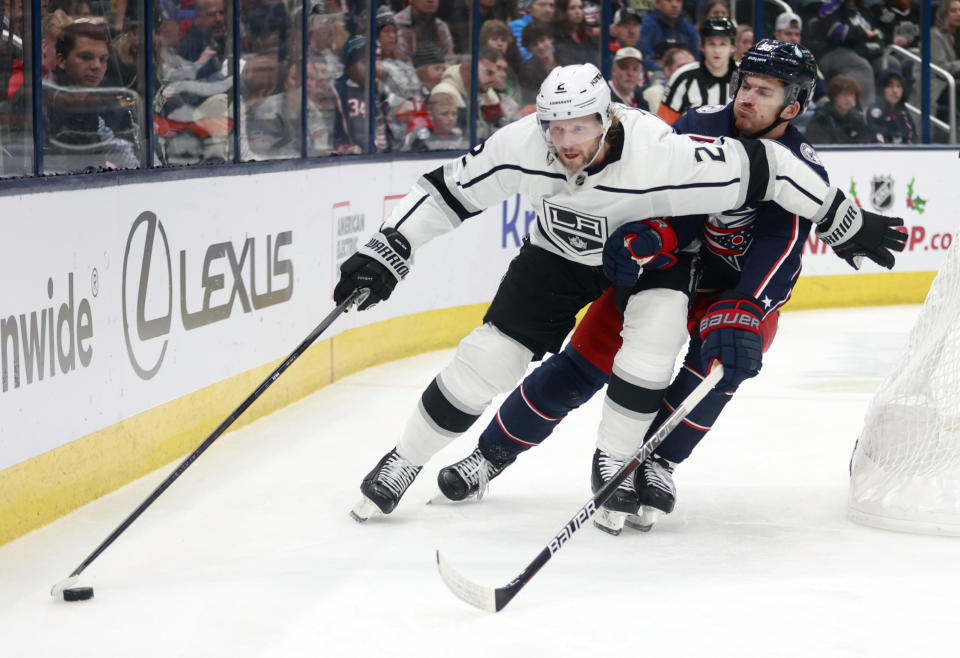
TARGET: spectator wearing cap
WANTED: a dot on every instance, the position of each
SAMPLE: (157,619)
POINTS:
(397,80)
(572,41)
(625,28)
(788,27)
(430,66)
(888,121)
(536,10)
(708,83)
(671,56)
(626,77)
(840,121)
(538,39)
(350,125)
(456,82)
(667,21)
(419,26)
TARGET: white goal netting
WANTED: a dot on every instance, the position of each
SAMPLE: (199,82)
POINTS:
(905,471)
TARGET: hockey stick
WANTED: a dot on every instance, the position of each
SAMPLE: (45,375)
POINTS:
(495,600)
(356,297)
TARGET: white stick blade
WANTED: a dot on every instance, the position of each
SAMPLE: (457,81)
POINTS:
(476,595)
(57,589)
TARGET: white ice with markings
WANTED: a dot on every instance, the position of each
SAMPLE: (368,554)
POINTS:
(252,552)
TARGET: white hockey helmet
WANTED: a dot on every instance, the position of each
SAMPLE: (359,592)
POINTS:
(570,92)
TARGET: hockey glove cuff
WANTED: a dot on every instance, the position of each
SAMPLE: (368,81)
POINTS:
(730,333)
(377,266)
(635,245)
(854,233)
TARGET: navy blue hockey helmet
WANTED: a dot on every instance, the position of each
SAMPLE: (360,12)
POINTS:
(790,63)
(718,27)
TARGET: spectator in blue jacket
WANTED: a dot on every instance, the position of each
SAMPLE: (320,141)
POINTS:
(666,22)
(536,10)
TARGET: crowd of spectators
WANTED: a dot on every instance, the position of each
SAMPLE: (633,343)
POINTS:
(667,56)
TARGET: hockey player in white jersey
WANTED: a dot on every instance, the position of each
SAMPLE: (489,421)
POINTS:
(587,168)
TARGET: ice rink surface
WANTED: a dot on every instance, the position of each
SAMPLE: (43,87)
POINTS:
(251,553)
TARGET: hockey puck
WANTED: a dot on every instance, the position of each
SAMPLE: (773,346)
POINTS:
(77,593)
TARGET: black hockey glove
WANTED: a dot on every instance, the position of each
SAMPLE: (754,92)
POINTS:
(854,233)
(635,245)
(376,266)
(730,333)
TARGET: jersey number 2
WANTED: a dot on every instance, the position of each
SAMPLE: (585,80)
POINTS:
(713,152)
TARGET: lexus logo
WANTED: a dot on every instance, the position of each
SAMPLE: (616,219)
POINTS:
(141,242)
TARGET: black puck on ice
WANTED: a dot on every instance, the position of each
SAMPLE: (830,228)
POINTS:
(77,593)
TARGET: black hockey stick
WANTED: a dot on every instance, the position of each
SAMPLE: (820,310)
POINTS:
(495,600)
(356,297)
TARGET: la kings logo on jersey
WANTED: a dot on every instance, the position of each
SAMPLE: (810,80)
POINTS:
(575,231)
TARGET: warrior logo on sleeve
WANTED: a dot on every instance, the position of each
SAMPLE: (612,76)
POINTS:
(575,231)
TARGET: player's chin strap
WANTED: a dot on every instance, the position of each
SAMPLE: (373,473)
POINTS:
(776,122)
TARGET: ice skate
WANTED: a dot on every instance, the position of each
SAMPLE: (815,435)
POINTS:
(468,477)
(613,513)
(655,491)
(384,486)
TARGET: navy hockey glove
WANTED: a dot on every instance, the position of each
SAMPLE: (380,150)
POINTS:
(730,333)
(636,245)
(376,266)
(854,233)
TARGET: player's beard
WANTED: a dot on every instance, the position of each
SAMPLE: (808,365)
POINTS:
(585,153)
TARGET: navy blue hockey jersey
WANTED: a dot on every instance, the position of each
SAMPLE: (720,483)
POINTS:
(757,258)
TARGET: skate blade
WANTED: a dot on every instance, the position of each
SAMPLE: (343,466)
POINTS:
(609,521)
(363,510)
(644,520)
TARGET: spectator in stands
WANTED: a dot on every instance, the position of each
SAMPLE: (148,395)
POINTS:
(538,39)
(443,133)
(326,36)
(572,43)
(209,30)
(625,28)
(850,45)
(591,19)
(840,120)
(708,83)
(888,121)
(944,52)
(536,10)
(497,34)
(671,56)
(419,26)
(350,125)
(396,78)
(499,10)
(273,126)
(626,78)
(745,40)
(430,66)
(83,128)
(899,21)
(713,9)
(788,27)
(456,82)
(666,22)
(457,14)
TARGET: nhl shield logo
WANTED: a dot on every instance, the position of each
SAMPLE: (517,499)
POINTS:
(881,192)
(575,231)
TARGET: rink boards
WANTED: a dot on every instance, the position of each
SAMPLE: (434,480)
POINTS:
(135,318)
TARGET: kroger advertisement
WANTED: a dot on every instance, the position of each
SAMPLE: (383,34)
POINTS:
(120,299)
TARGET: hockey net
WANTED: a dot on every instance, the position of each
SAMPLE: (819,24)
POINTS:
(905,471)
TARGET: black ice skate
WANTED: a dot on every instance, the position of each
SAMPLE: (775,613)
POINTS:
(384,486)
(612,514)
(468,477)
(655,491)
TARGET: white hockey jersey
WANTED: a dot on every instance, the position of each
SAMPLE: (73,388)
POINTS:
(656,173)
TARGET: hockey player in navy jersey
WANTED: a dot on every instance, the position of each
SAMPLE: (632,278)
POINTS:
(750,263)
(589,168)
